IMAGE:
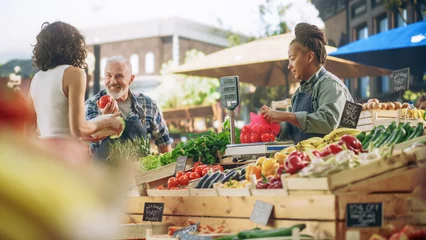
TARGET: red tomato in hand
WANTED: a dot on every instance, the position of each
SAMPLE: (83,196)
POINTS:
(183,180)
(255,137)
(247,138)
(104,100)
(172,182)
(194,175)
(246,129)
(180,173)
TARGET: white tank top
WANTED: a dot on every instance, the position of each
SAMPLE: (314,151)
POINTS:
(50,103)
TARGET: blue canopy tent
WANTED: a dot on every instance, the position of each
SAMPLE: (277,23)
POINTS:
(395,49)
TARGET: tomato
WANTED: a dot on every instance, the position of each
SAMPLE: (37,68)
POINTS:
(264,129)
(205,170)
(172,182)
(180,173)
(242,138)
(174,188)
(219,167)
(183,180)
(265,137)
(272,137)
(255,137)
(104,100)
(161,187)
(197,164)
(247,138)
(199,170)
(187,174)
(257,129)
(246,129)
(194,175)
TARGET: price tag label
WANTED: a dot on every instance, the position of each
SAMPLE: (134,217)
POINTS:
(261,212)
(153,212)
(400,79)
(190,228)
(350,115)
(364,215)
(181,164)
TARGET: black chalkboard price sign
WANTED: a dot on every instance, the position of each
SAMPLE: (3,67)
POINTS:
(363,215)
(153,212)
(181,164)
(261,212)
(350,115)
(186,230)
(400,79)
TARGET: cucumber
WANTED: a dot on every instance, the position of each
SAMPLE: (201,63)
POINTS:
(418,131)
(201,182)
(230,237)
(242,177)
(361,136)
(278,232)
(402,136)
(243,171)
(209,180)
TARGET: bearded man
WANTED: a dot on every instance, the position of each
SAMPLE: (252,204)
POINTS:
(141,113)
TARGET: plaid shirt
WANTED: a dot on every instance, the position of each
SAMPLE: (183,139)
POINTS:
(143,108)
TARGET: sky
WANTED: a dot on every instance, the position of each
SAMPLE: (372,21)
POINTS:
(21,20)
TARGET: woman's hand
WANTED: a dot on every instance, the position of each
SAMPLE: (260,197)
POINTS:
(271,115)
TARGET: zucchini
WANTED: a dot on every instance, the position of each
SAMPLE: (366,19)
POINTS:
(278,232)
(402,136)
(391,138)
(379,142)
(210,179)
(361,136)
(242,177)
(201,182)
(392,126)
(418,131)
(243,171)
(229,237)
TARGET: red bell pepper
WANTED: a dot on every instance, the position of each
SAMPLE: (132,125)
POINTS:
(331,149)
(351,142)
(295,162)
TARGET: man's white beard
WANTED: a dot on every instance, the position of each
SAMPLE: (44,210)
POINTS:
(117,95)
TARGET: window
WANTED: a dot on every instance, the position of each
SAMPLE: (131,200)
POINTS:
(364,87)
(103,65)
(348,84)
(382,24)
(358,9)
(375,3)
(149,62)
(134,61)
(361,32)
(399,20)
(385,84)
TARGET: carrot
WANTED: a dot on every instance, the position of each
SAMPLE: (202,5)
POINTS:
(211,228)
(173,229)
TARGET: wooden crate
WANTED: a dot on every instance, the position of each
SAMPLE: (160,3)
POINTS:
(138,230)
(323,214)
(370,118)
(349,177)
(201,191)
(232,192)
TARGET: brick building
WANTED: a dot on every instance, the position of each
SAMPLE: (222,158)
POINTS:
(148,44)
(350,20)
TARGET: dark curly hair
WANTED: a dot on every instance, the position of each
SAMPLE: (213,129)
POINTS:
(59,43)
(313,38)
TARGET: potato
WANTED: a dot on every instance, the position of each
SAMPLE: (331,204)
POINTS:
(391,106)
(398,105)
(373,100)
(364,106)
(375,105)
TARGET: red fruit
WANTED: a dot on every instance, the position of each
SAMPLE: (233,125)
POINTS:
(351,142)
(187,174)
(246,130)
(272,137)
(161,187)
(183,180)
(255,137)
(172,182)
(242,138)
(104,100)
(247,138)
(205,171)
(265,137)
(199,170)
(180,173)
(194,175)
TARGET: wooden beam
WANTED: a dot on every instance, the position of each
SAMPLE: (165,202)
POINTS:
(320,207)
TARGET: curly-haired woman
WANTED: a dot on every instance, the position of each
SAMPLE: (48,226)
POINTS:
(57,90)
(317,104)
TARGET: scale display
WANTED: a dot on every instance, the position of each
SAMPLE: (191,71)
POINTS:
(229,89)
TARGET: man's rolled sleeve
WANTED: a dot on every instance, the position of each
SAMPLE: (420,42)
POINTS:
(159,131)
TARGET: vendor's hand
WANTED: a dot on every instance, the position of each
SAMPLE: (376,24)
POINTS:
(273,116)
(264,109)
(110,108)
